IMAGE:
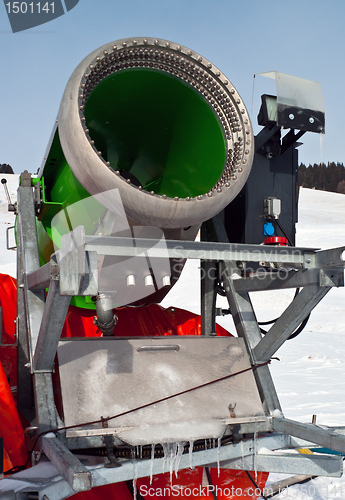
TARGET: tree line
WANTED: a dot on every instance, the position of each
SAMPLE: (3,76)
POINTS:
(330,177)
(5,168)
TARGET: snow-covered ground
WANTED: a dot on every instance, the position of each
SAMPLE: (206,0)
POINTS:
(310,377)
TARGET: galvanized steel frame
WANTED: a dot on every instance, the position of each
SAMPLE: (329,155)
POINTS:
(73,271)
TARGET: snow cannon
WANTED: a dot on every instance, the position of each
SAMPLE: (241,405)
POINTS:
(154,122)
(151,140)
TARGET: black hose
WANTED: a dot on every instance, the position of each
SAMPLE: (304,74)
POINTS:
(208,474)
(284,232)
(305,321)
(296,332)
(256,486)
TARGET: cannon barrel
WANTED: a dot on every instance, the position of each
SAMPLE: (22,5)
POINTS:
(155,121)
(160,123)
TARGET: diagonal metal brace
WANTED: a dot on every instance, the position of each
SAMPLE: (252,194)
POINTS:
(71,469)
(53,319)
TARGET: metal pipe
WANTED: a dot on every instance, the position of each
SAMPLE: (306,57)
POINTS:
(105,320)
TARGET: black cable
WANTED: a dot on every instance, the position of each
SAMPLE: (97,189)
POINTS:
(284,232)
(14,470)
(208,474)
(300,328)
(131,485)
(296,332)
(305,321)
(256,486)
(262,323)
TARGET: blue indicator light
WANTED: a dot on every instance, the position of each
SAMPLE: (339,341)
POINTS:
(268,229)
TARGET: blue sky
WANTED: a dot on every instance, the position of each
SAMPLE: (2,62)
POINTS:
(304,38)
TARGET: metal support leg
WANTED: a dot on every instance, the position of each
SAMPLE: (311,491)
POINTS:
(31,311)
(208,297)
(247,327)
(208,275)
(245,321)
(29,304)
(45,406)
(25,401)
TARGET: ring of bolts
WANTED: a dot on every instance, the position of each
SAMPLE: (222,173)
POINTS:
(193,70)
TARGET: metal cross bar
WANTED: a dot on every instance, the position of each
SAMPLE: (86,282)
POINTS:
(310,432)
(334,257)
(128,247)
(274,280)
(289,463)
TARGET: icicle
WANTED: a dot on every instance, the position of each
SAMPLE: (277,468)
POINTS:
(152,461)
(191,444)
(165,455)
(218,451)
(180,449)
(172,458)
(134,481)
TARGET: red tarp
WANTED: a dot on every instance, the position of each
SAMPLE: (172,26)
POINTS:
(152,320)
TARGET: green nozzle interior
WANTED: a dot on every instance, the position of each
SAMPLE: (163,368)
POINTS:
(159,130)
